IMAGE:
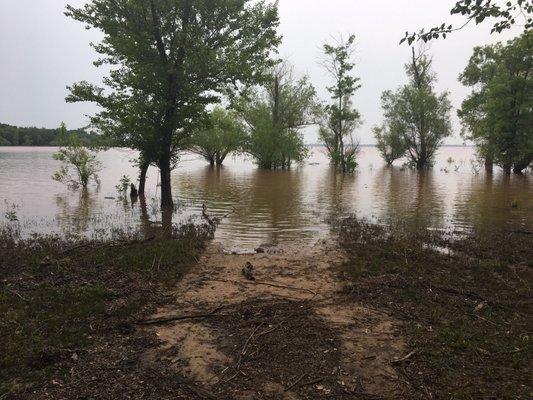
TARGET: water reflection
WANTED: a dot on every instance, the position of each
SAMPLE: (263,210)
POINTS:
(491,200)
(263,206)
(408,197)
(336,194)
(75,213)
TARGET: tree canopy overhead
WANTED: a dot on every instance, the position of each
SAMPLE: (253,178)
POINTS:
(169,59)
(504,16)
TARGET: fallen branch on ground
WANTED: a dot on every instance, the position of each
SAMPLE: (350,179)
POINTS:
(268,284)
(296,382)
(163,320)
(407,357)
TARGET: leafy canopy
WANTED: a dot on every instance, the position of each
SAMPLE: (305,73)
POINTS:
(220,135)
(416,114)
(504,15)
(79,165)
(274,114)
(340,118)
(498,115)
(168,59)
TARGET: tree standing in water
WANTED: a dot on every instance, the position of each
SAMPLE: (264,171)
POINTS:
(169,59)
(498,114)
(221,134)
(389,143)
(416,114)
(75,156)
(274,115)
(340,117)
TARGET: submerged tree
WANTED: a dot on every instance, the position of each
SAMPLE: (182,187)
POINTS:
(79,165)
(389,143)
(498,114)
(169,59)
(416,114)
(340,117)
(274,115)
(221,134)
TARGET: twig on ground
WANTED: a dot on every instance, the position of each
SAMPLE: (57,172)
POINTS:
(405,358)
(317,380)
(296,382)
(178,318)
(245,347)
(268,284)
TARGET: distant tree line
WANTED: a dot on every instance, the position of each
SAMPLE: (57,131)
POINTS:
(16,136)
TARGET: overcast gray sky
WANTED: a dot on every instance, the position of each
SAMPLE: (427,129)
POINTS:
(42,51)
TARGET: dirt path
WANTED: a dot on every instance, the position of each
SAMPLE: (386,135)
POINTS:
(289,334)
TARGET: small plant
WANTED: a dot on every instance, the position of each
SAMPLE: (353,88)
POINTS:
(124,184)
(450,160)
(476,165)
(74,156)
(11,216)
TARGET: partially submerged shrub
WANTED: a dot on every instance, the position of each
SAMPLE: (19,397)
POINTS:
(124,184)
(79,165)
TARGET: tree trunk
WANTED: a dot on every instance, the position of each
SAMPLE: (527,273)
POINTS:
(142,177)
(520,166)
(489,164)
(164,167)
(166,222)
(507,169)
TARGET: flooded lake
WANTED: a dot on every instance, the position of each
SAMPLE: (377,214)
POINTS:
(259,206)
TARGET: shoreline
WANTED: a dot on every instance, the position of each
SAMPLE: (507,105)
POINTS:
(371,312)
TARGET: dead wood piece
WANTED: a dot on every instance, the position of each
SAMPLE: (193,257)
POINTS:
(248,271)
(405,358)
(256,282)
(317,380)
(178,318)
(297,381)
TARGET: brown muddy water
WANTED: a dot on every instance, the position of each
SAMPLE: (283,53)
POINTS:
(263,206)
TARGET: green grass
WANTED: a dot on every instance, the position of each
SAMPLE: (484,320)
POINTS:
(467,313)
(58,298)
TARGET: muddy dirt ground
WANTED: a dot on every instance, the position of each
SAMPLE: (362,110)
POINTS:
(287,330)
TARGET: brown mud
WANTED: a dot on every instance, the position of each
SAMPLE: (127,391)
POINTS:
(291,333)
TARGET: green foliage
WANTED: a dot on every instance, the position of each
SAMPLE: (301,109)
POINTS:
(168,60)
(221,134)
(340,118)
(274,115)
(416,115)
(17,136)
(506,16)
(389,143)
(75,156)
(498,115)
(123,185)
